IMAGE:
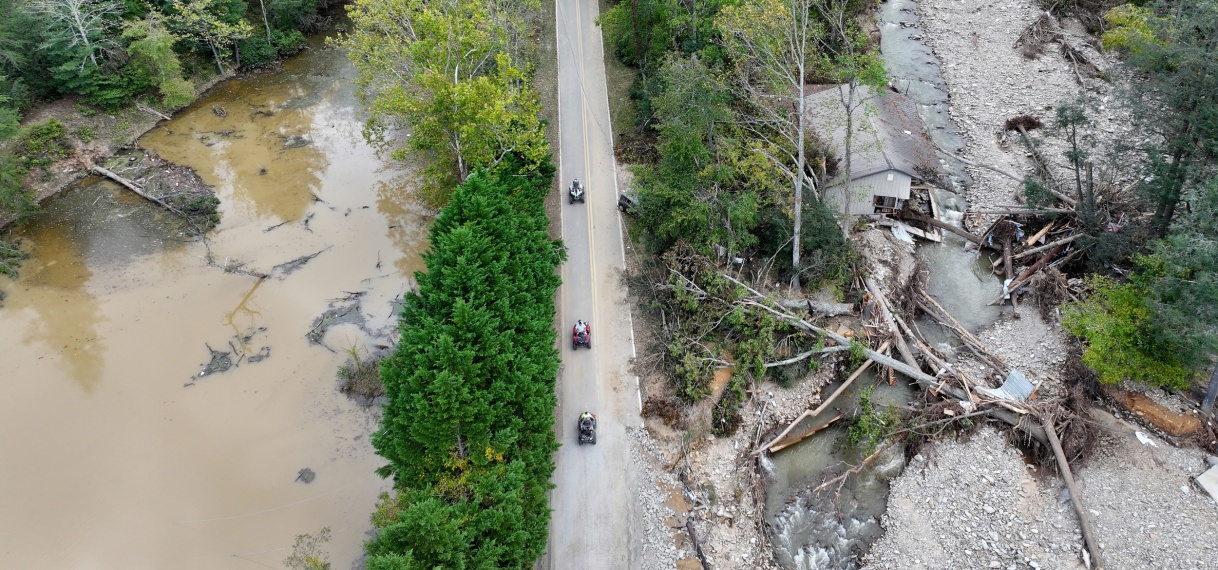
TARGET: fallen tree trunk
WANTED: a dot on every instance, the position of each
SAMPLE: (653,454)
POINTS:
(1030,252)
(944,225)
(153,112)
(805,355)
(980,165)
(1043,167)
(1023,211)
(973,343)
(135,188)
(1084,518)
(779,446)
(819,307)
(822,406)
(924,380)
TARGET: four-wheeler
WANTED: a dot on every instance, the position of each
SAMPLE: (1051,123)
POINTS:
(587,428)
(581,335)
(576,192)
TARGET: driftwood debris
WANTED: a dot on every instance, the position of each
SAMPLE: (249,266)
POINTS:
(1029,272)
(813,413)
(928,220)
(934,310)
(1042,233)
(136,188)
(1090,536)
(886,314)
(781,445)
(152,111)
(1030,252)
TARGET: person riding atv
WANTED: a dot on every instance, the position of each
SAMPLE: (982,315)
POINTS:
(576,192)
(587,428)
(581,335)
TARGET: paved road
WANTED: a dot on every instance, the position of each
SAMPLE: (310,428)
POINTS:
(594,521)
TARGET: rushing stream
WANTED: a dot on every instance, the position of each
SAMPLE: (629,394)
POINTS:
(829,530)
(117,453)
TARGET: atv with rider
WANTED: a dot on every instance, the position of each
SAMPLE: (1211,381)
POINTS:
(581,335)
(587,428)
(576,192)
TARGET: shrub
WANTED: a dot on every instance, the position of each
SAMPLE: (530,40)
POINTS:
(42,143)
(15,199)
(872,425)
(256,52)
(176,93)
(288,42)
(1121,341)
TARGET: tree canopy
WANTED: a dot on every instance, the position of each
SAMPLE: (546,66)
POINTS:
(449,71)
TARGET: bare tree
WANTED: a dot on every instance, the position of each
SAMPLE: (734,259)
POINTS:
(775,45)
(85,21)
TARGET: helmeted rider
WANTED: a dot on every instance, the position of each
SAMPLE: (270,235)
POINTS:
(575,184)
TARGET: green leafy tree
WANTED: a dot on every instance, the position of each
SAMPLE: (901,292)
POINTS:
(697,190)
(1184,287)
(152,48)
(442,68)
(216,24)
(1130,28)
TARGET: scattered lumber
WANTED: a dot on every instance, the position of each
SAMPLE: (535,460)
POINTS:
(1090,536)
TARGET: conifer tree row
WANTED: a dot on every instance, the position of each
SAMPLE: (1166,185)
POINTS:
(468,430)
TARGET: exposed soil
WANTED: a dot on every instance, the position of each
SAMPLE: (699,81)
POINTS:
(111,132)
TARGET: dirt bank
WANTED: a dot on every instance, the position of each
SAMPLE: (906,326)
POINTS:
(95,136)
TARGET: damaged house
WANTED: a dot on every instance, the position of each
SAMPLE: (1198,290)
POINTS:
(889,148)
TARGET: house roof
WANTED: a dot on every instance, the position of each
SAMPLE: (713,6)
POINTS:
(888,133)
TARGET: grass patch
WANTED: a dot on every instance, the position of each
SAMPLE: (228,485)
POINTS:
(361,376)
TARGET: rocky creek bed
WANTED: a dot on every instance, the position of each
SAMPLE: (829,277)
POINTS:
(973,502)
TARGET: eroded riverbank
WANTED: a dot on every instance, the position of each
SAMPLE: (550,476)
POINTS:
(119,455)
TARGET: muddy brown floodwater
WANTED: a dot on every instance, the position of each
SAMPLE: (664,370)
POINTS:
(116,453)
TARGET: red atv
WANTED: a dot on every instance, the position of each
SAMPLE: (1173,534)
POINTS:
(581,335)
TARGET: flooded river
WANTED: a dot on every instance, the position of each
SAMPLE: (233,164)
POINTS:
(117,453)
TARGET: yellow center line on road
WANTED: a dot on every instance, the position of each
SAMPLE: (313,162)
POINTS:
(583,125)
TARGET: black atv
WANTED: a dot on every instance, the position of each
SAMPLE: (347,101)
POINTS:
(576,192)
(587,428)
